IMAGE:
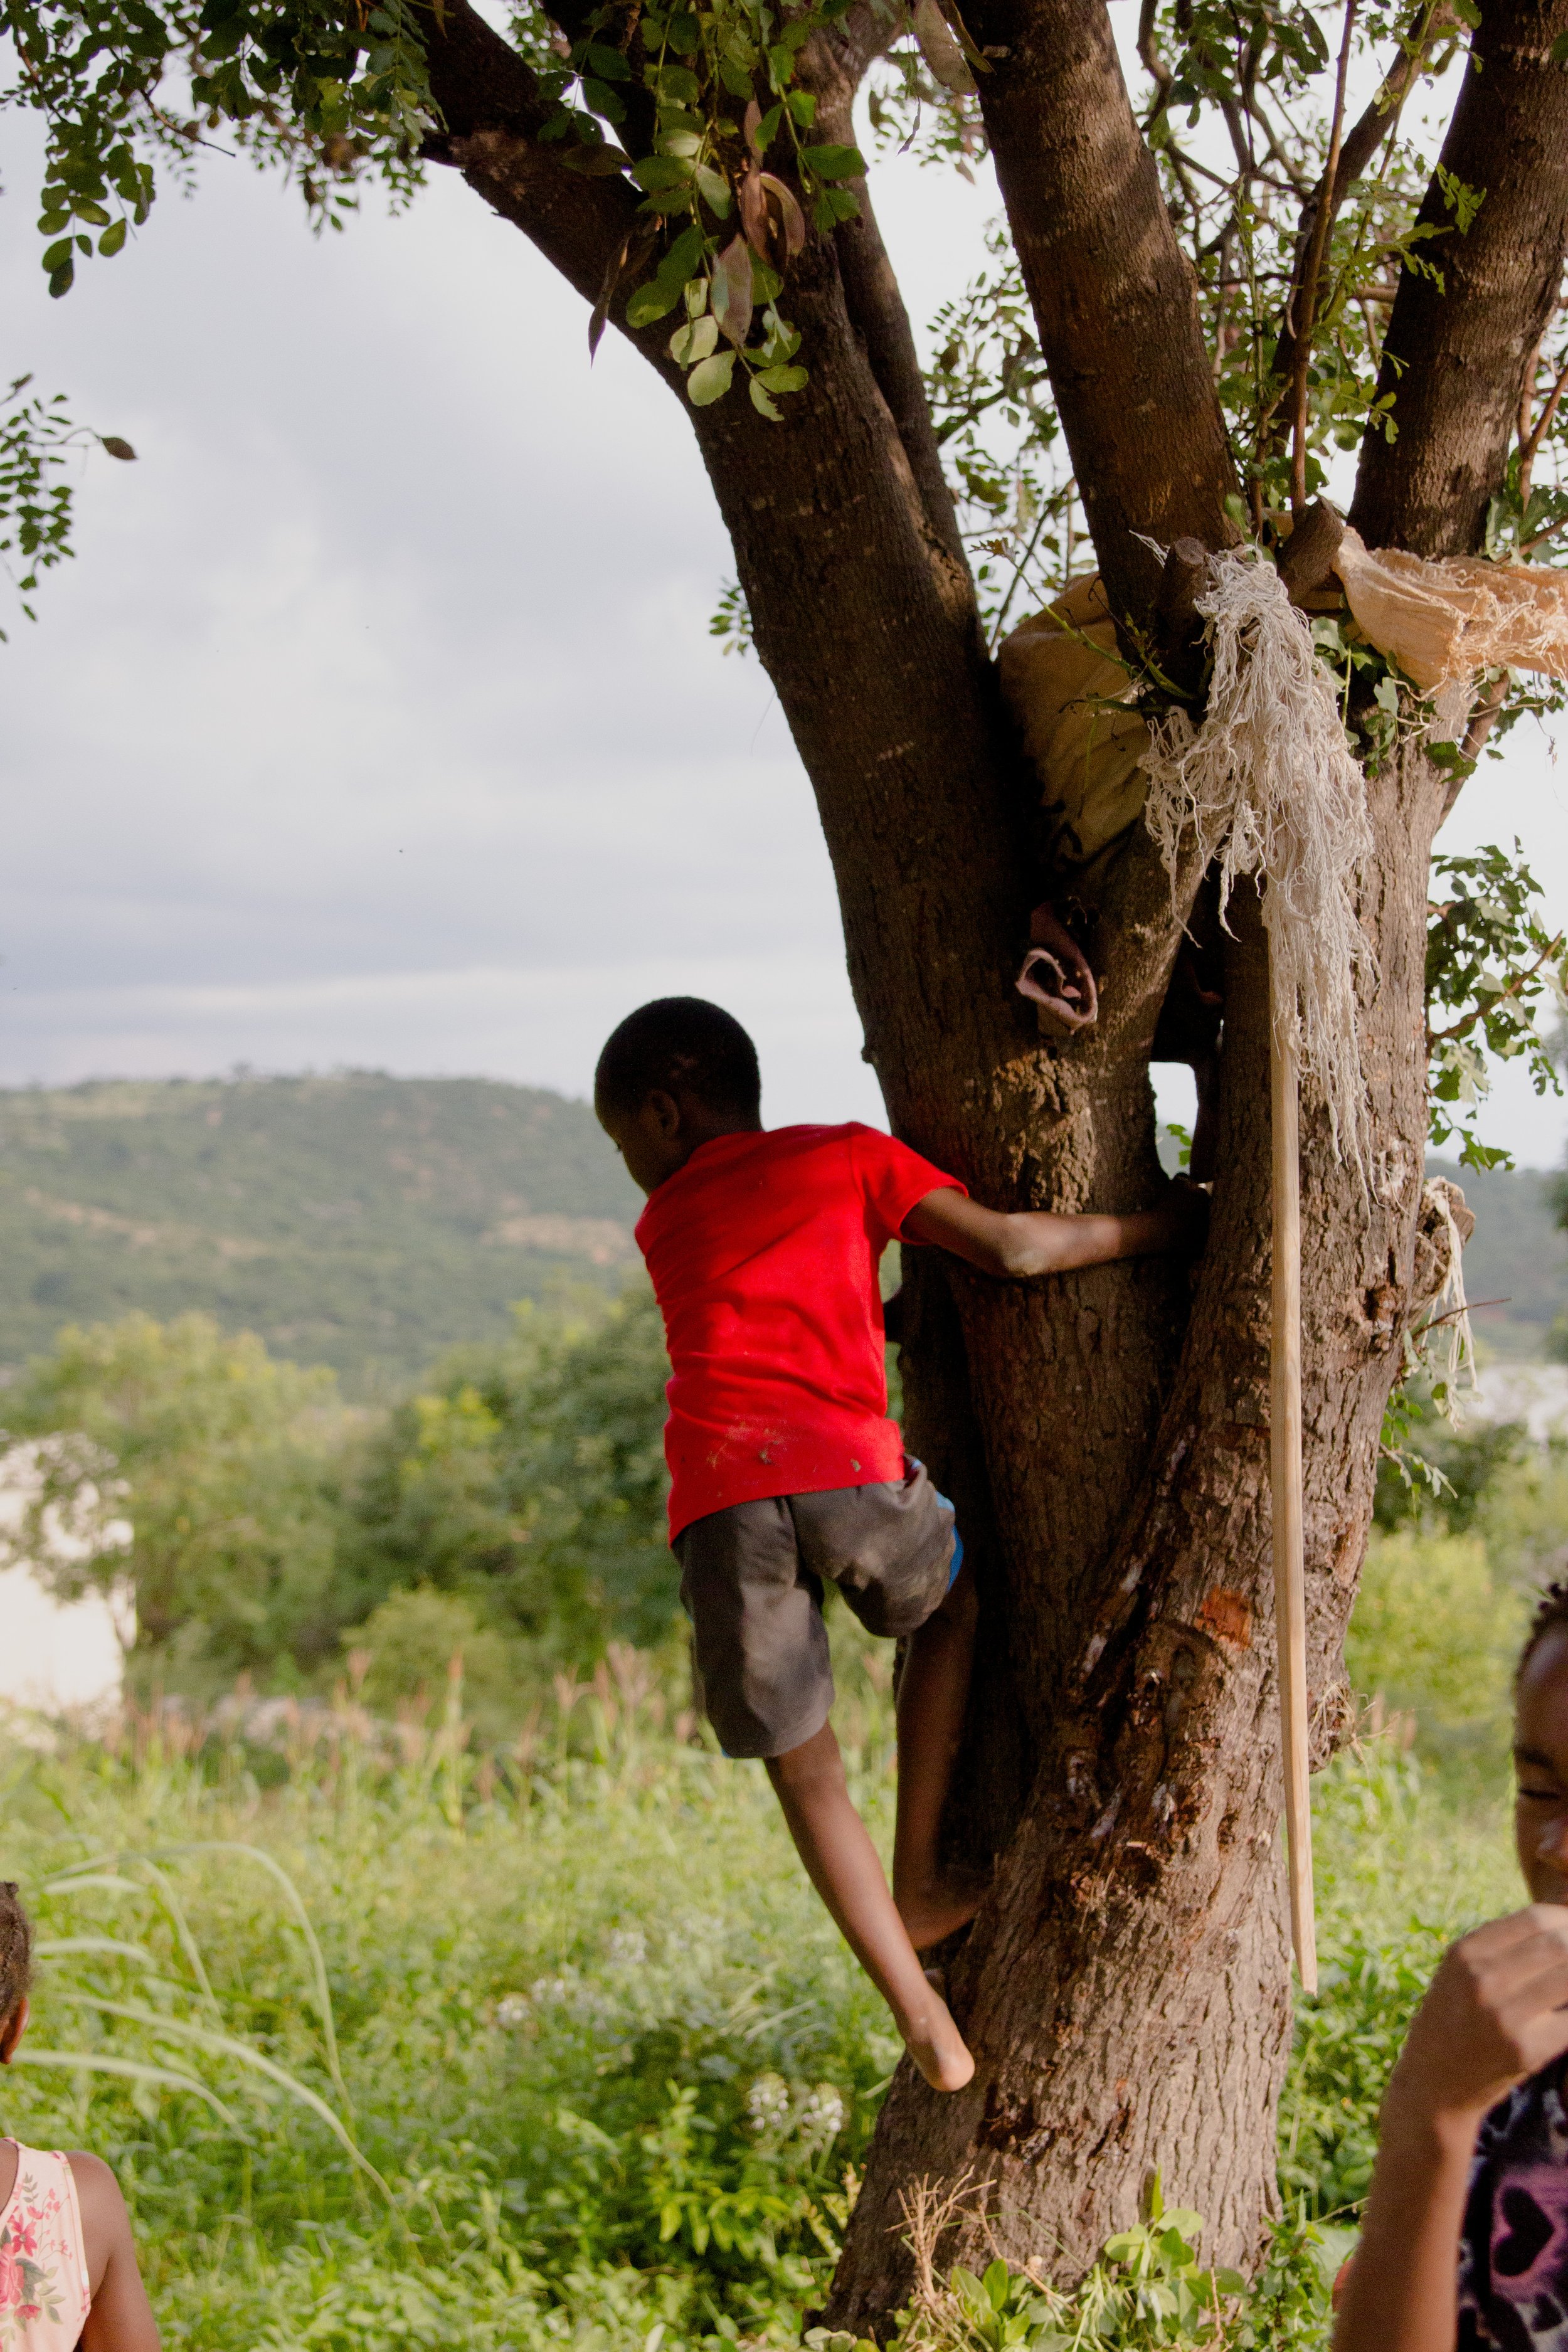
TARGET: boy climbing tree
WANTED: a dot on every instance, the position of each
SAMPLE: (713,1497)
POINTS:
(1207,287)
(785,1469)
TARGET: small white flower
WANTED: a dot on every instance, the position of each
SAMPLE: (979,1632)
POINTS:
(513,2009)
(767,2103)
(545,1992)
(822,2113)
(627,1948)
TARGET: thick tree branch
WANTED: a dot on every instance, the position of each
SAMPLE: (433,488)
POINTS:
(1114,298)
(494,107)
(833,69)
(1456,353)
(877,313)
(864,616)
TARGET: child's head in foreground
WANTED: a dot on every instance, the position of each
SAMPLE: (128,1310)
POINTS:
(1541,1750)
(15,1969)
(674,1074)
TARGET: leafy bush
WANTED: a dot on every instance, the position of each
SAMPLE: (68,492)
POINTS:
(521,1493)
(530,1481)
(1149,2288)
(226,1457)
(1432,1633)
(605,2067)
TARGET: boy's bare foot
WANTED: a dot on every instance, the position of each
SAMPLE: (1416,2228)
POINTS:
(938,2048)
(940,1909)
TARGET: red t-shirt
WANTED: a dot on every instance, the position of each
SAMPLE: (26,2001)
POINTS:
(763,1252)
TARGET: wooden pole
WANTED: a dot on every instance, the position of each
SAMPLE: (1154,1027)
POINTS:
(1285,1478)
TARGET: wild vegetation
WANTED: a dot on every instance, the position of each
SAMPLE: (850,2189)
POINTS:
(398,2036)
(438,1985)
(513,1505)
(1285,243)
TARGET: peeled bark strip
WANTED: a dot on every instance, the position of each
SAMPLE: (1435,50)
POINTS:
(1456,354)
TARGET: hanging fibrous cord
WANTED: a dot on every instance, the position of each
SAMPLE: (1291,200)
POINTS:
(1267,788)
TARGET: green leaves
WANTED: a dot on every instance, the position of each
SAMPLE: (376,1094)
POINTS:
(35,505)
(697,67)
(696,341)
(834,162)
(710,379)
(1492,968)
(317,89)
(663,291)
(1149,2288)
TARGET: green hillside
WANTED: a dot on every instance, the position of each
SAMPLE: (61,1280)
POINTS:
(362,1221)
(368,1222)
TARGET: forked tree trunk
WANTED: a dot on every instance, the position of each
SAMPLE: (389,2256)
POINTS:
(1126,1988)
(1106,1438)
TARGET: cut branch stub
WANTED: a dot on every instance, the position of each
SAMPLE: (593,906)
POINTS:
(1307,557)
(1178,624)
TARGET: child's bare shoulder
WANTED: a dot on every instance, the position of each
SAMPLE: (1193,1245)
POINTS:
(93,2178)
(105,2223)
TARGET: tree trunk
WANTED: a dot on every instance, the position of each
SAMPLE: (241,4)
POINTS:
(1126,1987)
(1105,1436)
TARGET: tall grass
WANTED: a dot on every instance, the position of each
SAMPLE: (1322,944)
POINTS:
(396,2044)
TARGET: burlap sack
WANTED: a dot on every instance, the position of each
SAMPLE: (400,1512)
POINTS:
(1449,619)
(1064,693)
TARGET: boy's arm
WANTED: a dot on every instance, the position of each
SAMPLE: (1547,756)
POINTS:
(1029,1242)
(1493,2015)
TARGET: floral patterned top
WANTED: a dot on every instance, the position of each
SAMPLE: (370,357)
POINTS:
(1513,2247)
(44,2297)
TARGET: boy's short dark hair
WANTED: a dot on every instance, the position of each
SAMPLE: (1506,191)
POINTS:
(15,1950)
(1551,1611)
(681,1043)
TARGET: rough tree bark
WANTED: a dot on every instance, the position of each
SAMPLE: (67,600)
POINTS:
(1125,1987)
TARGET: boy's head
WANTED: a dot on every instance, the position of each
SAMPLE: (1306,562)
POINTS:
(15,1969)
(1541,1750)
(676,1073)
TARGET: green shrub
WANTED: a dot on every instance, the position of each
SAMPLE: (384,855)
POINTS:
(1433,1633)
(226,1459)
(530,1481)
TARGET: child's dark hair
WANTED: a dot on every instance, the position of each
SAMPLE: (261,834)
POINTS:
(679,1043)
(1550,1611)
(15,1950)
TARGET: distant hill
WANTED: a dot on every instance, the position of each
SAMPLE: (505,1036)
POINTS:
(363,1221)
(1518,1252)
(368,1222)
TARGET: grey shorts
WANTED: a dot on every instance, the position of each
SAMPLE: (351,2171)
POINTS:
(751,1582)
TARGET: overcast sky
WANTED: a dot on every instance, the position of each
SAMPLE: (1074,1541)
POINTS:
(377,723)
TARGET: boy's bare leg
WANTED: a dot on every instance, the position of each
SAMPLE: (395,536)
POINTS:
(933,1692)
(844,1866)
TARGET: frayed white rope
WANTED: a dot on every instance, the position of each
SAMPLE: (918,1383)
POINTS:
(1269,786)
(1450,1344)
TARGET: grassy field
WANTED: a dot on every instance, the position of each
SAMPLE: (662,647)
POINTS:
(394,2047)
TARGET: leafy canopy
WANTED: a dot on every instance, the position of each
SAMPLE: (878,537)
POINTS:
(709,114)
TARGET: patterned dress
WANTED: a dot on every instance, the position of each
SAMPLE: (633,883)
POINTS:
(44,2298)
(1513,2249)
